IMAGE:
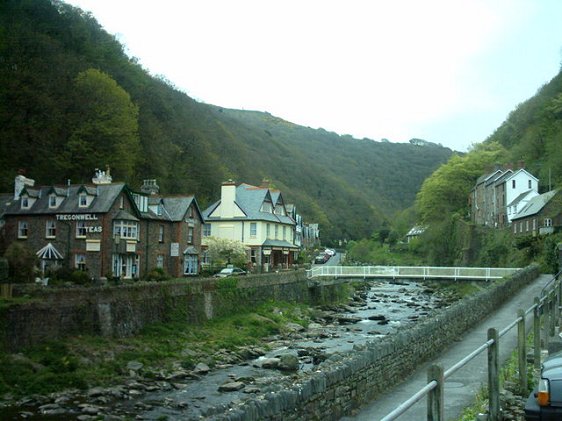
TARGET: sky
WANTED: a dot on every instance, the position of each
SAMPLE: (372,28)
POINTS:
(446,71)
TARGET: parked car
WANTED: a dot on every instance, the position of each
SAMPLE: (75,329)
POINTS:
(232,271)
(545,401)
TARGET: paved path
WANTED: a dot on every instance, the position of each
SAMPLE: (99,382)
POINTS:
(462,386)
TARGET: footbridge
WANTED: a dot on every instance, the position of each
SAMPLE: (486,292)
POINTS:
(409,272)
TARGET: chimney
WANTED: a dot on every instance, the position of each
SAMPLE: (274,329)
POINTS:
(265,183)
(150,187)
(102,177)
(228,197)
(19,183)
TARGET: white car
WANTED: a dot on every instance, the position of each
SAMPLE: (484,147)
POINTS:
(233,271)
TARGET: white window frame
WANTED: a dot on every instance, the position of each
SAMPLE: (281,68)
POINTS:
(80,262)
(51,229)
(160,233)
(80,229)
(253,229)
(23,229)
(207,230)
(25,202)
(547,222)
(160,261)
(190,231)
(52,200)
(82,200)
(126,229)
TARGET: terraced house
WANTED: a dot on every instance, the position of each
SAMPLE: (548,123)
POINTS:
(104,228)
(257,217)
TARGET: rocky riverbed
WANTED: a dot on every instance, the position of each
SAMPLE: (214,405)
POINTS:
(376,310)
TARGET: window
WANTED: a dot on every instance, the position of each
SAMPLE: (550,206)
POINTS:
(512,184)
(161,234)
(205,258)
(529,183)
(276,231)
(25,202)
(82,200)
(515,228)
(125,229)
(547,222)
(279,210)
(206,230)
(160,261)
(284,232)
(190,235)
(80,261)
(121,202)
(266,207)
(253,255)
(52,201)
(51,229)
(527,225)
(253,229)
(534,224)
(267,230)
(22,229)
(190,212)
(80,229)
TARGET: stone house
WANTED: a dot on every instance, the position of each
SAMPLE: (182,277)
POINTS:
(103,228)
(540,216)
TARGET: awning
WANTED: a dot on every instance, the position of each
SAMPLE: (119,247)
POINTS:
(190,250)
(49,252)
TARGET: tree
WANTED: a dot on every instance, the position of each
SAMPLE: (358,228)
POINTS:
(105,128)
(224,251)
(22,261)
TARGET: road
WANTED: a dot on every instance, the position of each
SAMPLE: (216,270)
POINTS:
(462,386)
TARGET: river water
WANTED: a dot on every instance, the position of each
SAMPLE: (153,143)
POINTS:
(380,310)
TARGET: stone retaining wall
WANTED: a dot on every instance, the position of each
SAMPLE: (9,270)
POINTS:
(125,309)
(346,382)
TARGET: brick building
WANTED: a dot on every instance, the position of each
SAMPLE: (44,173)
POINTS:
(103,228)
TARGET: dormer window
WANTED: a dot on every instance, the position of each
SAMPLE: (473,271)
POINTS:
(266,207)
(82,200)
(25,202)
(52,200)
(279,210)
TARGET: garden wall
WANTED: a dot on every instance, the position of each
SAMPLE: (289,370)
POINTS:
(123,310)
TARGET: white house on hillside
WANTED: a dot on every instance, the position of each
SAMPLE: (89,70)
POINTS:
(521,181)
(257,217)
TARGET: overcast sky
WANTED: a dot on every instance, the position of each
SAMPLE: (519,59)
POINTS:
(442,70)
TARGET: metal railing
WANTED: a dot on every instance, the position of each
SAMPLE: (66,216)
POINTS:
(547,306)
(409,272)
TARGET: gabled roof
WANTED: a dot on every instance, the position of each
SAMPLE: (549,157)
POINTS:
(522,170)
(106,196)
(535,205)
(174,208)
(250,199)
(520,197)
(501,179)
(494,176)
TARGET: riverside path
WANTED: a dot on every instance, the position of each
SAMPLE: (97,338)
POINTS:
(460,388)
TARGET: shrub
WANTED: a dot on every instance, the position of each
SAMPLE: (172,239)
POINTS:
(21,261)
(157,275)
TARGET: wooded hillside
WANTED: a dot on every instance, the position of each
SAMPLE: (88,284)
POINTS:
(71,101)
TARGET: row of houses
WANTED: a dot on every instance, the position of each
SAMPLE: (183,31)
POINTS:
(508,197)
(110,230)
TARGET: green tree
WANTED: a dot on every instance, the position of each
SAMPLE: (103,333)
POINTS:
(224,251)
(105,130)
(22,262)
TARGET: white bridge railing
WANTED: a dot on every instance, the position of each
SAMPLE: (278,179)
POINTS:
(409,272)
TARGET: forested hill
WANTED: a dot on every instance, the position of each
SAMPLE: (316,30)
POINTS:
(71,101)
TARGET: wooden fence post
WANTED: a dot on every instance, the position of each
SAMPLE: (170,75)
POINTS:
(493,377)
(537,333)
(522,352)
(435,403)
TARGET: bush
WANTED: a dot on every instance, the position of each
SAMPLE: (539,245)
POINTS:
(21,261)
(4,270)
(157,275)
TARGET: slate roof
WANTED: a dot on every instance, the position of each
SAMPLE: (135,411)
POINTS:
(535,205)
(105,196)
(278,243)
(519,198)
(174,208)
(250,199)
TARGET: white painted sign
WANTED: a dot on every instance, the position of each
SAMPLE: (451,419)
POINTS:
(175,249)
